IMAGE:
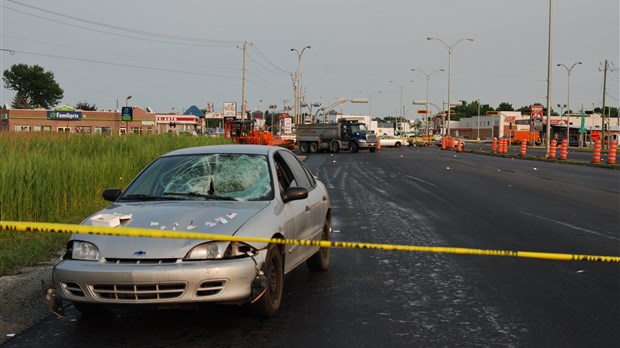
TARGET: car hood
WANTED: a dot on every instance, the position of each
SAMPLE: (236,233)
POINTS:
(222,218)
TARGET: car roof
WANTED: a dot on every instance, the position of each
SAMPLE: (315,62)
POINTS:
(237,149)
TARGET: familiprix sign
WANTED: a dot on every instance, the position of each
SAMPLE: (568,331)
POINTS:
(64,115)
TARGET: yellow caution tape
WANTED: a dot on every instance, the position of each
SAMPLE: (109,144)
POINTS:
(15,226)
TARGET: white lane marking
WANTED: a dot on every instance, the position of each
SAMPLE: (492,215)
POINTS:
(571,226)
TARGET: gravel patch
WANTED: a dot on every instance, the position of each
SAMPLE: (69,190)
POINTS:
(22,302)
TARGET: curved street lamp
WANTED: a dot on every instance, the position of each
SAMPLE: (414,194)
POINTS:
(428,78)
(568,70)
(127,100)
(449,48)
(297,96)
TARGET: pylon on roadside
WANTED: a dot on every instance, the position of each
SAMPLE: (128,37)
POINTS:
(523,148)
(564,149)
(611,156)
(494,145)
(552,149)
(379,144)
(459,145)
(596,154)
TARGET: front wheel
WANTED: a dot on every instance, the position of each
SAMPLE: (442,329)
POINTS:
(273,267)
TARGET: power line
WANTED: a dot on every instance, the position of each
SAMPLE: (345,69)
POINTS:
(128,65)
(135,31)
(113,54)
(119,35)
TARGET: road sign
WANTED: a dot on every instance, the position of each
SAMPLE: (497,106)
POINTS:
(422,111)
(595,136)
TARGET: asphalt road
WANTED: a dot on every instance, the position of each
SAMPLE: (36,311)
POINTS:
(369,298)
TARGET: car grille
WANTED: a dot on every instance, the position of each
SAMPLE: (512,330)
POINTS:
(210,288)
(138,292)
(140,261)
(371,138)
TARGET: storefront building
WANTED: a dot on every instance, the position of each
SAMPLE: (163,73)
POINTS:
(130,119)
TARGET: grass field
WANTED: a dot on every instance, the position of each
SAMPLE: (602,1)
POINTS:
(59,177)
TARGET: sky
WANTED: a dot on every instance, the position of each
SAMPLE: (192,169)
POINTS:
(170,55)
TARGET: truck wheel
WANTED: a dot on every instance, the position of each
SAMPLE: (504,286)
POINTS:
(372,149)
(303,147)
(334,147)
(314,147)
(354,147)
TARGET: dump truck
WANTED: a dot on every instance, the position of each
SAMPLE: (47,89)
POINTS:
(343,135)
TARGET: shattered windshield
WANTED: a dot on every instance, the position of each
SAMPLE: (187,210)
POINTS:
(239,177)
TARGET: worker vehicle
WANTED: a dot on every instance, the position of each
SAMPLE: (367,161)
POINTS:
(243,132)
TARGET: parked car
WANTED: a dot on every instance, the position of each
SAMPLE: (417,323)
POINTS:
(227,190)
(391,141)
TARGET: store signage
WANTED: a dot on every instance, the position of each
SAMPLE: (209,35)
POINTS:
(127,113)
(64,115)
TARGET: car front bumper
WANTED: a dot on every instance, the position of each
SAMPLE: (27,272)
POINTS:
(222,281)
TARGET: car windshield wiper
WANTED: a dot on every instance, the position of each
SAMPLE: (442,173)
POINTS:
(201,195)
(143,197)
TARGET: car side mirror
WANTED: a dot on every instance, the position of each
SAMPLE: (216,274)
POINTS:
(111,194)
(294,193)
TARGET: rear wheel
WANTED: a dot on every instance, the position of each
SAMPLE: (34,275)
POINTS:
(334,147)
(269,303)
(354,147)
(303,147)
(320,260)
(397,144)
(314,147)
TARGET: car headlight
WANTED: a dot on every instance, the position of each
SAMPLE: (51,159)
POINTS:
(219,250)
(80,250)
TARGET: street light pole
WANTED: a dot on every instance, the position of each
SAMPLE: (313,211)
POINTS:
(568,70)
(402,86)
(478,138)
(298,84)
(127,100)
(449,48)
(428,78)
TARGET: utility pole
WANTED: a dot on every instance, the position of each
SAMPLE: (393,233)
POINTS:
(603,118)
(245,43)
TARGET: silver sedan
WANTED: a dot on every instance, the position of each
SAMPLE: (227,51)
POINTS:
(230,190)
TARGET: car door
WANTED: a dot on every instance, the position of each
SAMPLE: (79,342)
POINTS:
(316,208)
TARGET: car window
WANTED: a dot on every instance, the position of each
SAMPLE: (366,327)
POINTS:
(241,177)
(302,176)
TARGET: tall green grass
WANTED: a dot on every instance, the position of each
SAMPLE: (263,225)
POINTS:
(59,177)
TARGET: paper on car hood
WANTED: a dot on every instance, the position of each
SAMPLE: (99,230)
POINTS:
(223,218)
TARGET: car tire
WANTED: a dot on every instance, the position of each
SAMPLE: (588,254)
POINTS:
(88,308)
(303,147)
(372,149)
(320,260)
(397,144)
(273,267)
(314,147)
